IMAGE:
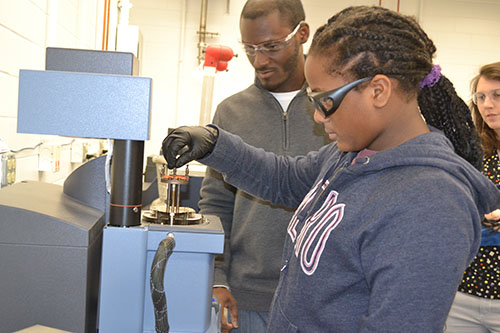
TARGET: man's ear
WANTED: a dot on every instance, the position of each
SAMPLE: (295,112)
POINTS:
(303,33)
(382,89)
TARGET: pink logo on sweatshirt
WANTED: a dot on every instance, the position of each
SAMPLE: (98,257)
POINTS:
(311,241)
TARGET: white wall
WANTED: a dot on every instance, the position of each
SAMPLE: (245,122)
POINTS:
(466,33)
(27,27)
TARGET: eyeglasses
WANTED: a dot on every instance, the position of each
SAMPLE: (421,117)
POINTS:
(329,101)
(480,97)
(270,47)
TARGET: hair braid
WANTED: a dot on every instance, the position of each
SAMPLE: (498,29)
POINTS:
(365,41)
(442,108)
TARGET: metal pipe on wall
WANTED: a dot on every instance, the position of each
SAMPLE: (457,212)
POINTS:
(398,4)
(180,60)
(420,11)
(124,7)
(203,30)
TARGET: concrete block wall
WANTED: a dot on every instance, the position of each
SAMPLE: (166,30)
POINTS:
(27,27)
(466,33)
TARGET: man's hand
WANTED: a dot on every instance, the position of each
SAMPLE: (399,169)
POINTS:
(492,220)
(188,143)
(227,301)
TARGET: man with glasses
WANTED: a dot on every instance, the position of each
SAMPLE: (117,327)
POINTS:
(274,114)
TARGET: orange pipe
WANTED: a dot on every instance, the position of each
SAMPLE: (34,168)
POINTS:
(104,24)
(107,24)
(398,6)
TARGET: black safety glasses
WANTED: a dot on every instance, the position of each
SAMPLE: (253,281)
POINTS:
(329,101)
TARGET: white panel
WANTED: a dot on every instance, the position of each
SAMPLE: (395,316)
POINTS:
(154,17)
(155,4)
(27,160)
(488,44)
(65,168)
(42,4)
(448,40)
(488,10)
(462,8)
(27,168)
(87,24)
(65,38)
(440,23)
(67,16)
(479,24)
(23,33)
(17,141)
(8,87)
(22,53)
(466,34)
(24,18)
(461,75)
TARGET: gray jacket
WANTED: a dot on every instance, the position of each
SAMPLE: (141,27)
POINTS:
(255,230)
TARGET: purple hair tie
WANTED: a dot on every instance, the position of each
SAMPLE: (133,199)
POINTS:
(432,78)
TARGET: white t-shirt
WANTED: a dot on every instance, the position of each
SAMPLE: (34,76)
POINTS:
(285,98)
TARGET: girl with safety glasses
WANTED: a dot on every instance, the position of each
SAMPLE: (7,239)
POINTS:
(387,217)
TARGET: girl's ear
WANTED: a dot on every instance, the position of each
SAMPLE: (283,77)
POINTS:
(382,89)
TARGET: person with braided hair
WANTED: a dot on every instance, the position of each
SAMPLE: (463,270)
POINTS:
(389,215)
(476,307)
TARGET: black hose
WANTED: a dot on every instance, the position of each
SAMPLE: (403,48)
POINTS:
(156,283)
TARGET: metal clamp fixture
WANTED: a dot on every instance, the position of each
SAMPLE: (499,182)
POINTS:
(167,209)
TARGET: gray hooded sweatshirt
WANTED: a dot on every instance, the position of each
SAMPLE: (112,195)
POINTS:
(376,245)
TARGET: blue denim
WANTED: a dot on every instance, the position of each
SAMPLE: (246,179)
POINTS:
(251,322)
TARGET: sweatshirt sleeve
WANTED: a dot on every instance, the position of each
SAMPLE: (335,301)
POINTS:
(415,259)
(279,179)
(217,198)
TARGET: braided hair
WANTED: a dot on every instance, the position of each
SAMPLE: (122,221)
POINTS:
(364,41)
(489,138)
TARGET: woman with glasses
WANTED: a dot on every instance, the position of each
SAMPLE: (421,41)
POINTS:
(389,216)
(476,307)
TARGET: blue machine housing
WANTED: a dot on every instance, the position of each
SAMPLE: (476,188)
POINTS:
(125,298)
(106,102)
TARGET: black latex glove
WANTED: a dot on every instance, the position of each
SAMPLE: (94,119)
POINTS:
(188,143)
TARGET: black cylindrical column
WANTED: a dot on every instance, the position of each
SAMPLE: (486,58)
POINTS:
(126,183)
